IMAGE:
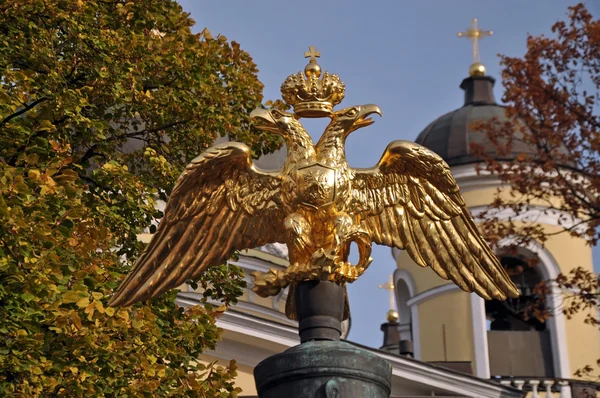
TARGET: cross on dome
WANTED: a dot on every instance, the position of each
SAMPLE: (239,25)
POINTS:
(475,34)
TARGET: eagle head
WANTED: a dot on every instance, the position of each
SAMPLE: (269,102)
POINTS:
(355,117)
(272,120)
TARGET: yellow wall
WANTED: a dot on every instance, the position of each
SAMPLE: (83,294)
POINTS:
(475,196)
(424,277)
(583,342)
(449,312)
(244,378)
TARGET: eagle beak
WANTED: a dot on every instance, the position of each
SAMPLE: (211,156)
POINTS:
(264,120)
(363,119)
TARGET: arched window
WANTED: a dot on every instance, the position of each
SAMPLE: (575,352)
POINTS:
(404,289)
(405,321)
(519,341)
(520,313)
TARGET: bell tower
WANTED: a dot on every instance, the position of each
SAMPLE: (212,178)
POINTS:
(495,338)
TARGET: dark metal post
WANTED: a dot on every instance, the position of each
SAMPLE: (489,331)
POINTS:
(322,366)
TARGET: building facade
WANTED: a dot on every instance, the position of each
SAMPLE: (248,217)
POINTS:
(447,324)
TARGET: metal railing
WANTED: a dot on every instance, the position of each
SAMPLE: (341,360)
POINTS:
(540,387)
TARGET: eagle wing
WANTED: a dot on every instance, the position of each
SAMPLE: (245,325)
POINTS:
(221,203)
(411,201)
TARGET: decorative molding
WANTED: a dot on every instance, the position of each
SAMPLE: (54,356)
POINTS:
(255,264)
(249,263)
(404,275)
(276,249)
(433,292)
(416,331)
(186,299)
(265,256)
(456,383)
(480,341)
(252,326)
(467,178)
(537,214)
(395,253)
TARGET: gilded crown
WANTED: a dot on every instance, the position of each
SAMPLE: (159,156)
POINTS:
(309,95)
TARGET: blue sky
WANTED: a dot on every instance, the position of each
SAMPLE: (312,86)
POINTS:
(401,55)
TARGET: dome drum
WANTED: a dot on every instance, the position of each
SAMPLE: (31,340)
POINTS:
(451,135)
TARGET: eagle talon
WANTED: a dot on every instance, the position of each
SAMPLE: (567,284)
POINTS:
(270,283)
(299,272)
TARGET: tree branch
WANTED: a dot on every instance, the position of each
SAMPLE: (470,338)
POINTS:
(22,111)
(90,153)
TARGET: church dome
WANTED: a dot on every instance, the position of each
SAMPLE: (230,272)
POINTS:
(451,135)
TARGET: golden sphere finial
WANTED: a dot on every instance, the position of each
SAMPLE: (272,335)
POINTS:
(477,69)
(312,69)
(392,316)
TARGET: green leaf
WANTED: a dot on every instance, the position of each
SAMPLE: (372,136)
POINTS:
(73,296)
(97,295)
(83,302)
(27,297)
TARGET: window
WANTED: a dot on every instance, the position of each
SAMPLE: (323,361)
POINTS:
(519,343)
(520,313)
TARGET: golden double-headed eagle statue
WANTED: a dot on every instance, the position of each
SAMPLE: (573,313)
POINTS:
(316,204)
